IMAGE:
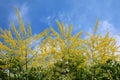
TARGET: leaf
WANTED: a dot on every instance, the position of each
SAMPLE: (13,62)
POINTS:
(96,27)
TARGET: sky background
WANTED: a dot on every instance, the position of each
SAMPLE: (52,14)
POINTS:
(41,14)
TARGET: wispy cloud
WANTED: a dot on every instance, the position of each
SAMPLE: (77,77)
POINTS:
(105,27)
(23,9)
(60,15)
(49,20)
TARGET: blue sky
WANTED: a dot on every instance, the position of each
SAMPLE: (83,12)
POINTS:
(81,13)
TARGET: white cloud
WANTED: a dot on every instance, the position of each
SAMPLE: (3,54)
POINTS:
(104,27)
(61,16)
(113,31)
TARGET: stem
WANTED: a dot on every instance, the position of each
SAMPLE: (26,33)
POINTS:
(9,75)
(26,65)
(109,74)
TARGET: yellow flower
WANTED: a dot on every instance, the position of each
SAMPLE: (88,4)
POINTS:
(34,64)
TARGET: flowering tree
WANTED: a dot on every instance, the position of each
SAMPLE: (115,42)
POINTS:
(59,55)
(16,46)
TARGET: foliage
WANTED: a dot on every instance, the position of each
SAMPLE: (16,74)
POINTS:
(58,55)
